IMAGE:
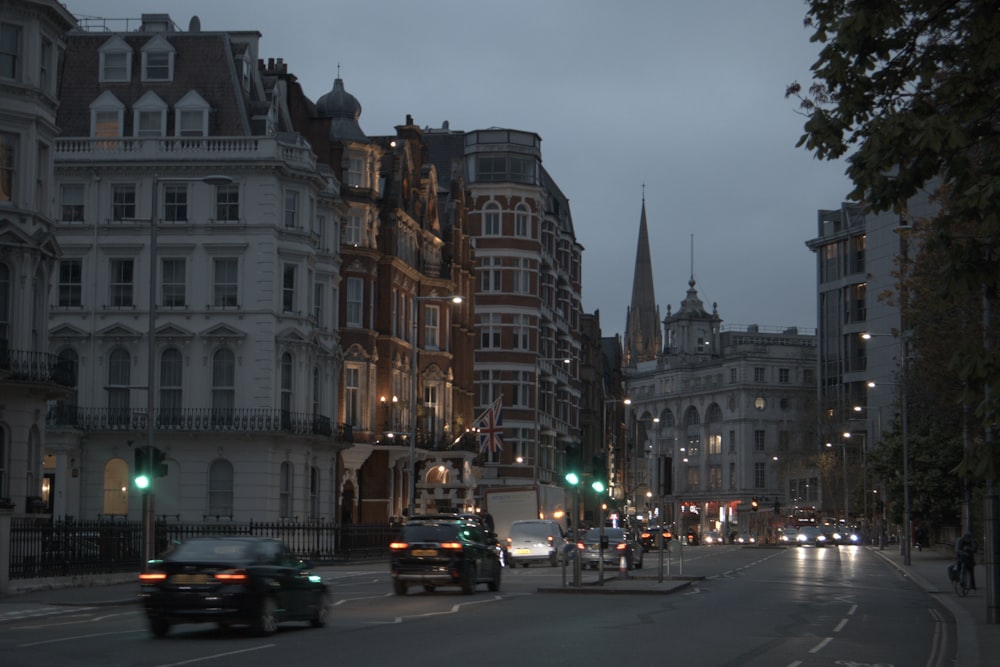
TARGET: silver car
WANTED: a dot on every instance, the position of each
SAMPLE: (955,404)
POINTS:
(619,544)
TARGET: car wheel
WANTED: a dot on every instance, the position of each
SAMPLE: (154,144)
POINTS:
(428,588)
(399,587)
(322,612)
(159,627)
(469,580)
(267,620)
(494,583)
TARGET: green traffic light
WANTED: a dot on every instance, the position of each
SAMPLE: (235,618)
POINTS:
(572,478)
(598,486)
(142,481)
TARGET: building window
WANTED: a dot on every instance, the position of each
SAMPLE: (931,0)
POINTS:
(693,478)
(351,390)
(291,208)
(172,283)
(759,475)
(71,283)
(522,276)
(352,231)
(226,282)
(808,376)
(318,304)
(491,220)
(157,60)
(715,443)
(171,381)
(491,276)
(313,492)
(733,376)
(119,379)
(715,477)
(107,119)
(286,390)
(122,271)
(522,332)
(71,202)
(115,61)
(432,327)
(355,172)
(355,292)
(8,151)
(758,441)
(149,123)
(489,331)
(521,222)
(783,375)
(227,203)
(522,389)
(223,384)
(285,491)
(175,202)
(10,51)
(759,374)
(123,202)
(288,288)
(220,488)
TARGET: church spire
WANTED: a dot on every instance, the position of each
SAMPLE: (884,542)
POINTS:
(643,338)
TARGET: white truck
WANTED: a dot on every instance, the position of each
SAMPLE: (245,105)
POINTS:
(505,505)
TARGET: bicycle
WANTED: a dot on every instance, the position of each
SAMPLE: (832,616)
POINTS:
(960,577)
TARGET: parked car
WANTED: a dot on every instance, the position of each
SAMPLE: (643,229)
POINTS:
(535,541)
(647,536)
(619,543)
(253,581)
(810,536)
(447,552)
(712,537)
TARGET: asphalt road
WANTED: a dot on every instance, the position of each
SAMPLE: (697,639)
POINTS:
(736,606)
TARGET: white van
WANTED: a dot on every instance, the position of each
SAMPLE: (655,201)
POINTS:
(535,541)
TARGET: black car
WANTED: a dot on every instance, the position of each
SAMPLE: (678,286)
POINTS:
(251,581)
(444,553)
(647,536)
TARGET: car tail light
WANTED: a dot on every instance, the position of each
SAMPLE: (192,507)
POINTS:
(398,546)
(620,546)
(581,545)
(231,575)
(152,577)
(551,540)
(451,545)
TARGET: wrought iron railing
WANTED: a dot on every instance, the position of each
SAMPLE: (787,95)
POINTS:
(40,367)
(240,420)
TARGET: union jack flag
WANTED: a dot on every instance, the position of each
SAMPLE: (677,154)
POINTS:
(490,425)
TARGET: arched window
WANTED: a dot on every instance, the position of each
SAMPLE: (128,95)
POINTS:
(119,379)
(4,310)
(170,387)
(286,390)
(691,417)
(220,488)
(223,385)
(285,491)
(667,419)
(116,486)
(491,220)
(714,414)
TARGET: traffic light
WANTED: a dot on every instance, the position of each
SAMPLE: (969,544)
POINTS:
(141,470)
(754,504)
(572,478)
(598,486)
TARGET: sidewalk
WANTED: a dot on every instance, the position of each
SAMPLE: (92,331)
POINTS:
(977,640)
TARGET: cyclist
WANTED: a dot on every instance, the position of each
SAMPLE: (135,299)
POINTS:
(965,550)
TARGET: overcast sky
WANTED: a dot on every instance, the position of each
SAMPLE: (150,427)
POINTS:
(684,96)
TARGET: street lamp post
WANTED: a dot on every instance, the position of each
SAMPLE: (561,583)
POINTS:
(148,498)
(412,500)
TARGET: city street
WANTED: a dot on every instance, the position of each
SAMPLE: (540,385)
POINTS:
(734,606)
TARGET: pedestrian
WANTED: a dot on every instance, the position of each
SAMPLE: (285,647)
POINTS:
(965,550)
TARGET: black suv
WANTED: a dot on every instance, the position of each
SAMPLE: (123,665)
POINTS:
(444,552)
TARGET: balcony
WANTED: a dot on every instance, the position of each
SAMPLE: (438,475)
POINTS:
(245,420)
(34,367)
(163,151)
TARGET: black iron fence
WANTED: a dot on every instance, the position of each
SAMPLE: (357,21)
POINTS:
(46,548)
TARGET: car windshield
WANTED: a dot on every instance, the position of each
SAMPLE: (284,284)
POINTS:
(594,534)
(808,530)
(540,530)
(221,551)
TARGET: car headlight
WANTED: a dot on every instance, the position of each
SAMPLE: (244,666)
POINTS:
(837,536)
(821,538)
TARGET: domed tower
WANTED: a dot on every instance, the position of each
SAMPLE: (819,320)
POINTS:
(343,110)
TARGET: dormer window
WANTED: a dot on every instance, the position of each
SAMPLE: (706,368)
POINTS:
(150,116)
(158,60)
(115,61)
(191,116)
(106,116)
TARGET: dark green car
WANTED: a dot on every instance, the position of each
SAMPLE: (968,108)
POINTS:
(444,553)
